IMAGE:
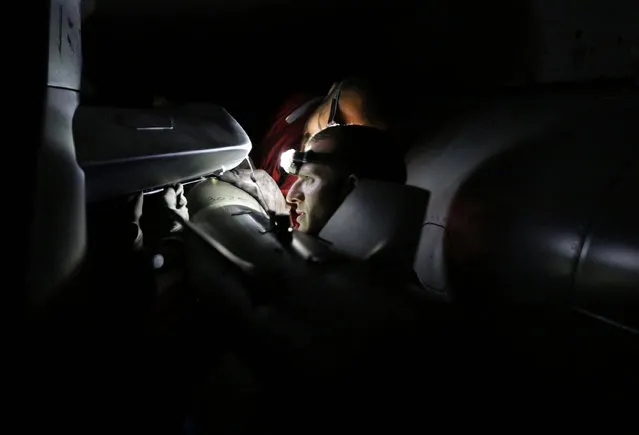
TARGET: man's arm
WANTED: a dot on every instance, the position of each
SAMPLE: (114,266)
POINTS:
(260,185)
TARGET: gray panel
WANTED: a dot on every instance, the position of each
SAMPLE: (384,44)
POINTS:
(128,150)
(378,217)
(58,237)
(65,48)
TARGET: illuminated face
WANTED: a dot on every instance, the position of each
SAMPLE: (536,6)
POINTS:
(351,105)
(318,191)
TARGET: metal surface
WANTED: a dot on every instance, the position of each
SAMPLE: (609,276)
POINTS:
(607,276)
(440,165)
(124,150)
(515,188)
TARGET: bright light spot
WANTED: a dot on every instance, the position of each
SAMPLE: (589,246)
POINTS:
(158,261)
(286,161)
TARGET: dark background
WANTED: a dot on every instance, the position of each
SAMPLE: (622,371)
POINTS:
(249,57)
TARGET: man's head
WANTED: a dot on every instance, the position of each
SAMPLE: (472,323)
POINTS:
(357,103)
(332,162)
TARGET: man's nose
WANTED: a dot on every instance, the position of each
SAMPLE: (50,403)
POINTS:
(294,194)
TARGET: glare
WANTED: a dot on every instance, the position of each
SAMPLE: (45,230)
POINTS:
(158,261)
(286,161)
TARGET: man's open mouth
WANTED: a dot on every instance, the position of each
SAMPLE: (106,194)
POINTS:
(294,216)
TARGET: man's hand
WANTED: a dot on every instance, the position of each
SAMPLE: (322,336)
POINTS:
(262,187)
(136,202)
(159,220)
(175,201)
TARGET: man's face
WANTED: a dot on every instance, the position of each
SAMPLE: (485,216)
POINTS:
(318,191)
(351,104)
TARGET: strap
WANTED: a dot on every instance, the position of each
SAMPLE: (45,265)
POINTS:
(300,111)
(334,105)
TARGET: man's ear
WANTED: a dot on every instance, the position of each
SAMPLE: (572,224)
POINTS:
(352,181)
(349,185)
